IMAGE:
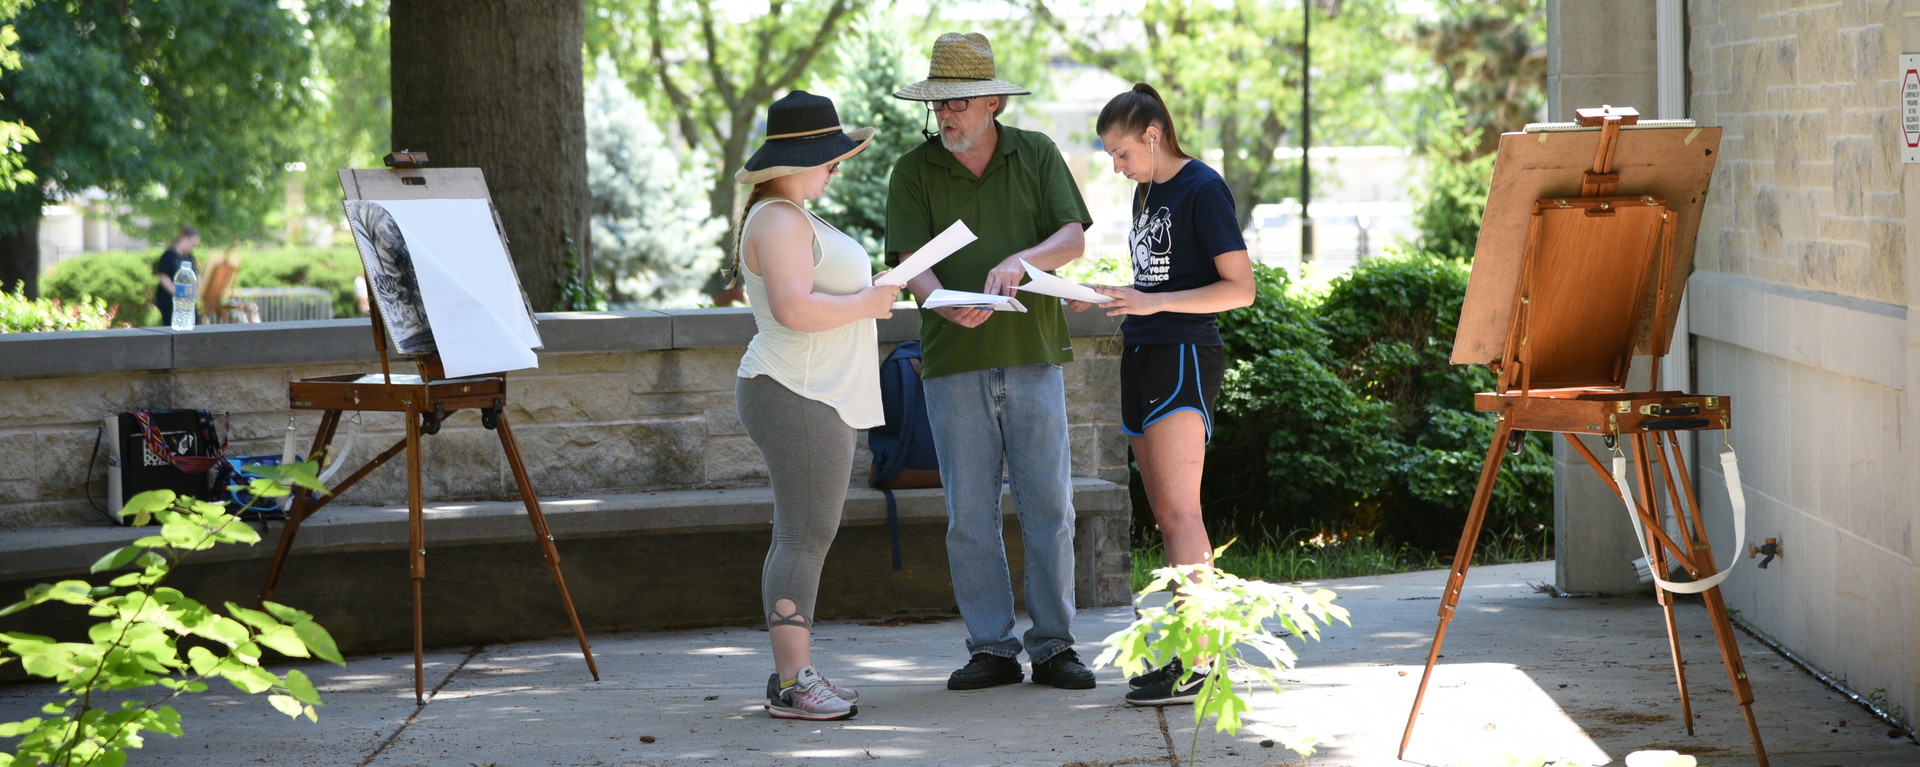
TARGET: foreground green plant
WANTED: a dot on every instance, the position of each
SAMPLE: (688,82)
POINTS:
(140,642)
(20,314)
(1216,614)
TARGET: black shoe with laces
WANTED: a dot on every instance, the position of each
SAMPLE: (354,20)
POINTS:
(1167,691)
(985,670)
(1065,671)
(1153,676)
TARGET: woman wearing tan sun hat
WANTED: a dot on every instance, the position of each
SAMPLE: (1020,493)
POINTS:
(995,392)
(809,379)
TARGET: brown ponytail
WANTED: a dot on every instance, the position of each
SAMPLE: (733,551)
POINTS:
(732,273)
(1136,110)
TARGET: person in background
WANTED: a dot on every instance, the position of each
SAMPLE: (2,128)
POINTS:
(179,251)
(1189,262)
(809,379)
(995,392)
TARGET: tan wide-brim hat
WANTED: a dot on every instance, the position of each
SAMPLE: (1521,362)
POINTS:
(803,133)
(962,68)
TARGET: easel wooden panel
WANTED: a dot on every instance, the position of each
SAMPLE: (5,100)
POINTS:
(427,401)
(1570,280)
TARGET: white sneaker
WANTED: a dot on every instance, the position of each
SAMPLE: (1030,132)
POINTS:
(810,697)
(847,694)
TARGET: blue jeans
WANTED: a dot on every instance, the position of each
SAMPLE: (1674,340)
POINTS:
(1013,418)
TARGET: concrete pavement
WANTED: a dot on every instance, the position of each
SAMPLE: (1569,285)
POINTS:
(1583,681)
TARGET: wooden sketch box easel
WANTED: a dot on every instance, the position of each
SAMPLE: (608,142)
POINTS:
(1584,251)
(426,398)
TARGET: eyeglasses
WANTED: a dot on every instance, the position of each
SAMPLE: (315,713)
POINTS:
(953,105)
(832,169)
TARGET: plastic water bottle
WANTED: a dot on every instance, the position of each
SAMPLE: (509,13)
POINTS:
(186,292)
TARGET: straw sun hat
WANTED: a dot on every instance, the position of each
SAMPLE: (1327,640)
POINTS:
(962,68)
(803,132)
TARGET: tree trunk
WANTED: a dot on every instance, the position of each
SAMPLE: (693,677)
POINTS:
(497,84)
(20,258)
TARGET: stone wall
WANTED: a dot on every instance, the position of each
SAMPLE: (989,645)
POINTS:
(1800,311)
(621,402)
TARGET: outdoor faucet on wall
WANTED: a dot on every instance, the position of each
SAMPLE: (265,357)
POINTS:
(1767,550)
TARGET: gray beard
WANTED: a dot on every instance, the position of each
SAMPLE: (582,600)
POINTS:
(962,143)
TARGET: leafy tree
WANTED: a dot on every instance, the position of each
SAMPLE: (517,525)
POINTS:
(350,120)
(182,108)
(20,314)
(715,70)
(1231,72)
(652,236)
(14,136)
(1492,59)
(856,201)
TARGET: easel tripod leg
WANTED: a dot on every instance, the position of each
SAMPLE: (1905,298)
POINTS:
(1462,559)
(299,506)
(1657,561)
(416,551)
(545,537)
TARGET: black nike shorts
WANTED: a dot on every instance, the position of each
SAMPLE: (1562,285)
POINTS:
(1159,380)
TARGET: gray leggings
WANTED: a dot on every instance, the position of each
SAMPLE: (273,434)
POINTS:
(809,455)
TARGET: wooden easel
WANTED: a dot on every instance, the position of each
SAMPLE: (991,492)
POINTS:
(1560,314)
(427,399)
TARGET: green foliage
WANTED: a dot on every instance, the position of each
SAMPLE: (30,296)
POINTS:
(1213,614)
(653,239)
(153,636)
(856,201)
(14,136)
(332,268)
(125,278)
(1344,415)
(1489,58)
(574,291)
(1449,205)
(118,278)
(20,314)
(1231,73)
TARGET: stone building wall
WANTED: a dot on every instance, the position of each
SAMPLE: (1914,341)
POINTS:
(1800,313)
(622,402)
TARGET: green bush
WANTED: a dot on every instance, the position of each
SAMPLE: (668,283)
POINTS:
(125,278)
(19,314)
(332,268)
(121,279)
(1343,414)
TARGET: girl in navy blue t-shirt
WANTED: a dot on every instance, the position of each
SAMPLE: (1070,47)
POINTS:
(1189,262)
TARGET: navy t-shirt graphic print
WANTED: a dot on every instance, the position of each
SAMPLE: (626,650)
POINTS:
(1180,227)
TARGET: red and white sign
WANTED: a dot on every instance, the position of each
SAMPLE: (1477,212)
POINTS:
(1909,107)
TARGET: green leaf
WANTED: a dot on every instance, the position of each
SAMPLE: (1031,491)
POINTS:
(116,559)
(286,614)
(283,640)
(17,729)
(319,642)
(286,704)
(301,688)
(142,506)
(253,618)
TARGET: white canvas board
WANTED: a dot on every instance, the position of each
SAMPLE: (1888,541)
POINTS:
(467,284)
(954,238)
(1043,283)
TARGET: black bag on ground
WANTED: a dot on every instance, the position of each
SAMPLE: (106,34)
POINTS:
(159,450)
(903,453)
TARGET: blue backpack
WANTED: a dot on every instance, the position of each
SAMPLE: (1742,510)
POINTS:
(903,454)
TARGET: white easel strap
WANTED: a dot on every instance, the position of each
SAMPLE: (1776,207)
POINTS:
(1730,467)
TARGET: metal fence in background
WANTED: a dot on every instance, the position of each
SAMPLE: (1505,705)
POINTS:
(275,305)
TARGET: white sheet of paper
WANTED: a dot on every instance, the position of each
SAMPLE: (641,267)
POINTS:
(1049,285)
(954,238)
(468,286)
(945,297)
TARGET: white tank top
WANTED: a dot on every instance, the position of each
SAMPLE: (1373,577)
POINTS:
(839,366)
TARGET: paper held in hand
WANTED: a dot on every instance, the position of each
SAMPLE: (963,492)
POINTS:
(954,238)
(962,298)
(1049,285)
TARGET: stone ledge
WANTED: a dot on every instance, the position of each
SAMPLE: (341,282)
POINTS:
(68,551)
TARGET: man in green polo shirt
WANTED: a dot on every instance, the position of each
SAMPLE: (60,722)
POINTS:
(994,390)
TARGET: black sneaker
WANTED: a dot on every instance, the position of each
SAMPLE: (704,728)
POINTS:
(985,670)
(1166,692)
(1153,676)
(1064,671)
